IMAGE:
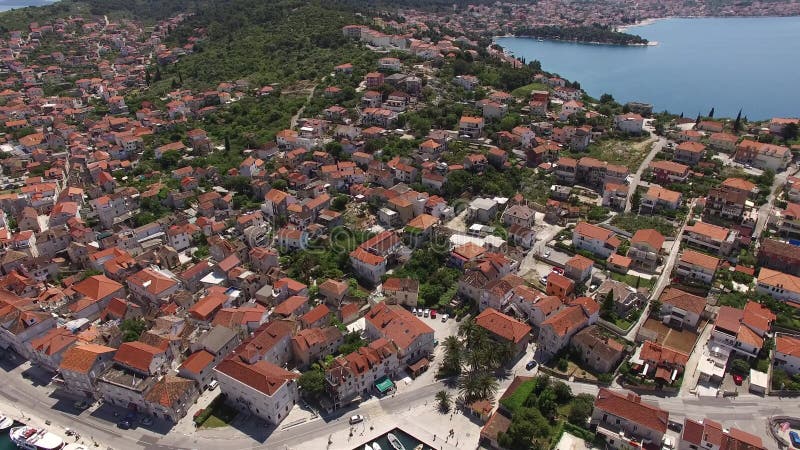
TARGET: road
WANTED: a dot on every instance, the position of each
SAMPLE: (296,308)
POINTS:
(636,178)
(765,210)
(665,277)
(296,116)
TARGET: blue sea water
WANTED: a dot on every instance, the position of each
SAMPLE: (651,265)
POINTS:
(699,63)
(5,5)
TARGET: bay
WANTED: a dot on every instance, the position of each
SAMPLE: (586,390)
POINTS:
(5,5)
(698,63)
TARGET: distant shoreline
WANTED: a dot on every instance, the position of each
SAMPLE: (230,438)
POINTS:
(571,41)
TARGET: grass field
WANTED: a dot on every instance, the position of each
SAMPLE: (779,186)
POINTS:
(222,416)
(615,151)
(525,91)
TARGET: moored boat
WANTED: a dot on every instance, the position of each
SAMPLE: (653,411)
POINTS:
(5,422)
(376,446)
(394,442)
(30,438)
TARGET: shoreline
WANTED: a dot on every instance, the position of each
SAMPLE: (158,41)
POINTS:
(568,41)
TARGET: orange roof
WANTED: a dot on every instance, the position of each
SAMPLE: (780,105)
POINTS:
(502,325)
(788,345)
(366,257)
(137,355)
(700,259)
(316,314)
(197,361)
(758,316)
(785,281)
(81,358)
(656,353)
(290,305)
(683,300)
(97,287)
(423,221)
(396,323)
(706,229)
(669,166)
(469,250)
(648,236)
(619,260)
(169,390)
(629,406)
(471,119)
(593,231)
(739,183)
(263,376)
(567,320)
(663,194)
(580,262)
(691,147)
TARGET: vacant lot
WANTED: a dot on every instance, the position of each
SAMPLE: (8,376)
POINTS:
(525,91)
(682,341)
(632,223)
(622,152)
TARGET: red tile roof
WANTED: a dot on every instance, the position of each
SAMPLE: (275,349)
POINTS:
(97,287)
(629,406)
(502,325)
(81,358)
(197,361)
(137,355)
(262,376)
(396,323)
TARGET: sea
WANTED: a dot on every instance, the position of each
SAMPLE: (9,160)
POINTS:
(5,5)
(697,64)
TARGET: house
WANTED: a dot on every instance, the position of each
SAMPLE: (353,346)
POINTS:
(199,366)
(556,332)
(615,195)
(505,329)
(333,291)
(566,170)
(626,298)
(81,365)
(47,350)
(681,309)
(786,356)
(709,434)
(529,303)
(743,330)
(471,127)
(630,123)
(668,171)
(518,214)
(569,108)
(625,422)
(170,397)
(153,285)
(559,286)
(354,376)
(312,344)
(710,238)
(578,268)
(725,142)
(414,338)
(318,316)
(726,202)
(697,266)
(368,266)
(597,350)
(762,155)
(689,152)
(99,290)
(594,239)
(779,256)
(657,198)
(788,220)
(401,291)
(263,389)
(289,238)
(482,210)
(779,285)
(645,249)
(654,361)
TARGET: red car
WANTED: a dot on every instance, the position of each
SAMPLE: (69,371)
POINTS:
(737,379)
(558,270)
(433,314)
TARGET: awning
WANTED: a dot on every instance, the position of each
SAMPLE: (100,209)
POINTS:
(384,385)
(419,365)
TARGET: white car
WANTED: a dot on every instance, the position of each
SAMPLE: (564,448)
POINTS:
(356,419)
(546,254)
(445,317)
(426,313)
(213,385)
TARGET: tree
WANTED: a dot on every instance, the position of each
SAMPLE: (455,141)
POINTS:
(444,400)
(157,77)
(312,383)
(581,409)
(339,202)
(147,77)
(790,131)
(451,361)
(132,329)
(227,144)
(740,366)
(606,98)
(655,309)
(737,124)
(697,121)
(711,113)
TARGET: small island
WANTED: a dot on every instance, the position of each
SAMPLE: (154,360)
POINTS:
(593,34)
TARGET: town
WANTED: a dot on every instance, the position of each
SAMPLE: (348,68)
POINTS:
(443,247)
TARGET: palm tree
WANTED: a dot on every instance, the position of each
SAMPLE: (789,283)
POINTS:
(453,356)
(444,400)
(487,386)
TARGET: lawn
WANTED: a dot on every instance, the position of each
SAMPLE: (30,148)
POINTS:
(516,400)
(525,91)
(221,416)
(634,222)
(626,153)
(634,281)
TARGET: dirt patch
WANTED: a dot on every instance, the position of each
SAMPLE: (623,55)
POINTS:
(682,341)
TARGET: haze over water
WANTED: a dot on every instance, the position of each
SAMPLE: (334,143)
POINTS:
(725,63)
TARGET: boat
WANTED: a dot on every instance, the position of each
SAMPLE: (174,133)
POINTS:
(540,40)
(5,422)
(30,438)
(419,447)
(376,446)
(394,442)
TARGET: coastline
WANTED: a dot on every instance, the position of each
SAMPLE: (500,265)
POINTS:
(569,41)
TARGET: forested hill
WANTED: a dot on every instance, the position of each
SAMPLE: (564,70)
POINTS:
(592,34)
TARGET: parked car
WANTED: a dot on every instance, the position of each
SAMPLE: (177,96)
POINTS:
(795,439)
(124,425)
(433,314)
(737,379)
(81,405)
(543,280)
(531,364)
(546,253)
(558,270)
(147,421)
(675,426)
(445,317)
(213,385)
(356,419)
(426,313)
